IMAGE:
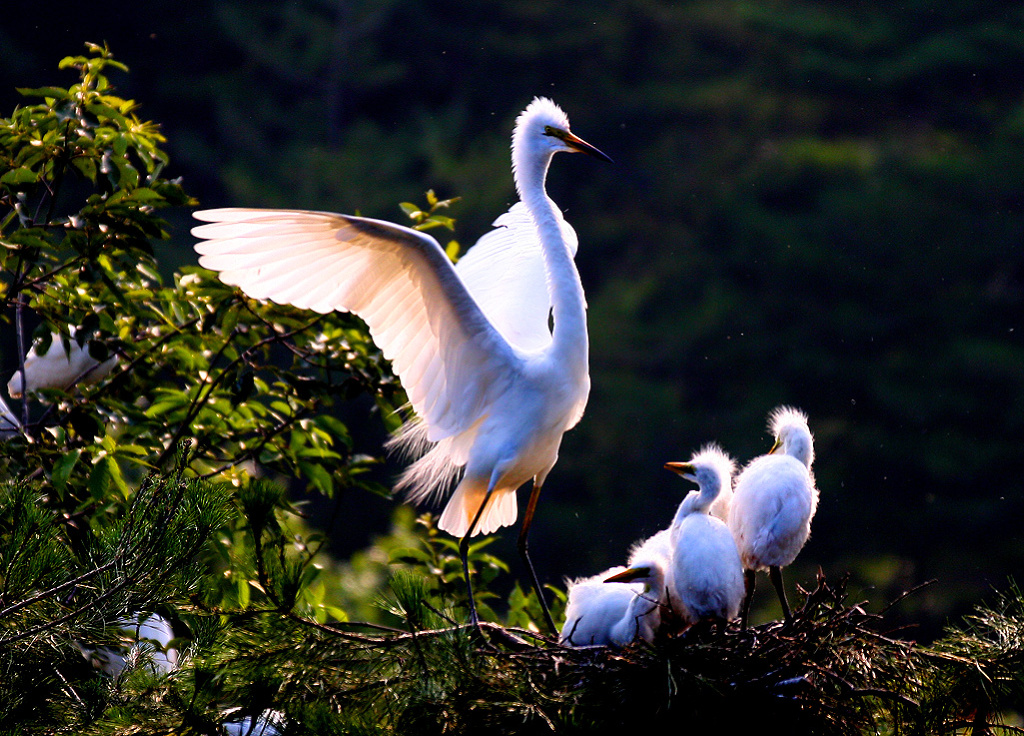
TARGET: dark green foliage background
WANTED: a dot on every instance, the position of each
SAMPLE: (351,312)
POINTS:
(815,203)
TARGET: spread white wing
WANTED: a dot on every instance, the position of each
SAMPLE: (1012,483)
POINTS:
(504,272)
(398,280)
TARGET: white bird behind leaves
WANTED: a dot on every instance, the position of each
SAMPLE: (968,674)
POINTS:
(492,387)
(150,635)
(9,424)
(60,366)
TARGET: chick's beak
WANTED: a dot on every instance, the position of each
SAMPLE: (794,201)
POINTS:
(580,145)
(679,468)
(628,576)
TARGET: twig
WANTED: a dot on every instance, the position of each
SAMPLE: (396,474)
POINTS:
(58,588)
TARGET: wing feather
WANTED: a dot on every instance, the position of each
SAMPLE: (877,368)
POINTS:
(398,280)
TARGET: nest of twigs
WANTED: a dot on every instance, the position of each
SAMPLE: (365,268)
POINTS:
(832,670)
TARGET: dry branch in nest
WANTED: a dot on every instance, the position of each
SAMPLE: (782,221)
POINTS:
(834,670)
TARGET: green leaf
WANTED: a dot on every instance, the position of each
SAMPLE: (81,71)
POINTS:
(58,93)
(452,250)
(145,194)
(86,167)
(242,587)
(337,613)
(447,222)
(62,469)
(318,477)
(99,479)
(117,478)
(19,176)
(410,555)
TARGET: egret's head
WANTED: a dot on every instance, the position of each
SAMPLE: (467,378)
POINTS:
(792,435)
(543,128)
(651,573)
(710,468)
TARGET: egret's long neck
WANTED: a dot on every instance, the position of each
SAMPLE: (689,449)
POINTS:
(801,446)
(697,502)
(569,341)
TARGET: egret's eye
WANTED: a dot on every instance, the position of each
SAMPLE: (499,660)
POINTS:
(553,131)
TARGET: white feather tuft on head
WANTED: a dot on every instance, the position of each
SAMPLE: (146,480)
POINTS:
(713,455)
(785,416)
(542,111)
(789,427)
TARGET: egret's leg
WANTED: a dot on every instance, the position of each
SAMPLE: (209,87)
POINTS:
(750,583)
(775,573)
(464,555)
(524,552)
(721,625)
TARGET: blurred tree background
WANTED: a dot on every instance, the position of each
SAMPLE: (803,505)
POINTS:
(814,203)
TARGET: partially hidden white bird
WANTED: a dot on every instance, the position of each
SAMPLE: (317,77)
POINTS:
(493,387)
(705,580)
(592,609)
(148,636)
(268,723)
(615,607)
(60,366)
(609,610)
(773,503)
(9,424)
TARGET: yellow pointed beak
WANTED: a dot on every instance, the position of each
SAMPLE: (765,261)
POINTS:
(580,145)
(679,468)
(776,446)
(628,576)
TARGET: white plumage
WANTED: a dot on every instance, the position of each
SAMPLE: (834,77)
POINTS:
(9,424)
(492,387)
(61,366)
(147,638)
(615,607)
(774,501)
(705,579)
(593,608)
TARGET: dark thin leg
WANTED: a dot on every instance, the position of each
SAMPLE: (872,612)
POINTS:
(775,573)
(524,552)
(721,625)
(750,583)
(464,555)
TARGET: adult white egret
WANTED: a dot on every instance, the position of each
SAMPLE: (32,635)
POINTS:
(705,579)
(774,501)
(493,387)
(61,366)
